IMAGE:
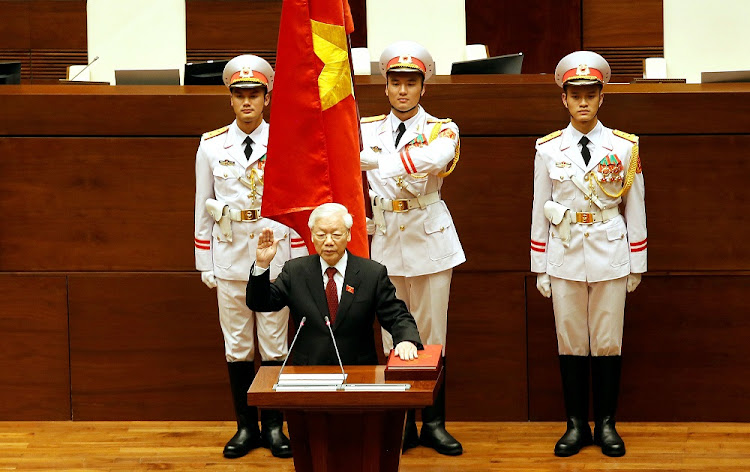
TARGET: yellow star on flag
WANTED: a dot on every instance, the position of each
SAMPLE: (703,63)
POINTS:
(335,80)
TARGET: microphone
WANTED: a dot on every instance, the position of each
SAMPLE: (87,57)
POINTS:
(328,323)
(294,340)
(87,66)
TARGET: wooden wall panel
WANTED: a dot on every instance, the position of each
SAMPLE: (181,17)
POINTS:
(505,106)
(107,204)
(14,27)
(58,24)
(622,23)
(486,347)
(685,351)
(112,223)
(146,347)
(34,371)
(682,213)
(543,31)
(238,25)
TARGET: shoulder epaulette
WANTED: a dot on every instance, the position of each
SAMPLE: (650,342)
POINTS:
(214,133)
(439,120)
(630,137)
(372,119)
(549,137)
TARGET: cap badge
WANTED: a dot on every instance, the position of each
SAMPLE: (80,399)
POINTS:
(405,59)
(583,69)
(246,72)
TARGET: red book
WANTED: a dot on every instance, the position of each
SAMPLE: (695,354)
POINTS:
(427,366)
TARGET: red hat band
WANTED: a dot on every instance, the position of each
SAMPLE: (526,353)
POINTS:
(583,72)
(408,62)
(246,75)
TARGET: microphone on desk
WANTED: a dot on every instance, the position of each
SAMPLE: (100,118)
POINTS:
(289,353)
(328,323)
(87,66)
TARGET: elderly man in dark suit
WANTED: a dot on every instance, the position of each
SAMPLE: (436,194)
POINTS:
(348,289)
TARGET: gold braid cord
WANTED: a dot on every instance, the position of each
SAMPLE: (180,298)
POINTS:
(433,135)
(629,177)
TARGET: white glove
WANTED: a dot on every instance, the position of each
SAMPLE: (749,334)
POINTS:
(633,281)
(368,159)
(370,226)
(207,277)
(544,285)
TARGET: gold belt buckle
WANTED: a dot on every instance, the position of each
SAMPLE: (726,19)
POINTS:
(400,206)
(250,215)
(585,218)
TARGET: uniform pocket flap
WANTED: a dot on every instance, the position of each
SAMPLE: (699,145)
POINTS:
(616,232)
(224,172)
(441,223)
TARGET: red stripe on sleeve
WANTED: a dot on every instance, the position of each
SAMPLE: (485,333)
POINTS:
(403,161)
(408,156)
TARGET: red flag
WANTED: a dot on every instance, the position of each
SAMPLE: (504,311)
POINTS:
(313,147)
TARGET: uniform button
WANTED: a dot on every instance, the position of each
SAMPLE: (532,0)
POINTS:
(442,228)
(252,235)
(586,234)
(225,176)
(621,235)
(402,227)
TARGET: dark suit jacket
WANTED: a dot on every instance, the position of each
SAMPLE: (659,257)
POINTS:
(367,293)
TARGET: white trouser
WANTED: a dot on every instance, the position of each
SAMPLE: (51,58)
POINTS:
(589,316)
(238,322)
(426,297)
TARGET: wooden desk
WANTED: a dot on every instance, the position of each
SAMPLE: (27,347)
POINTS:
(343,431)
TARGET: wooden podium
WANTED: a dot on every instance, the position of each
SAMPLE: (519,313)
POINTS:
(343,431)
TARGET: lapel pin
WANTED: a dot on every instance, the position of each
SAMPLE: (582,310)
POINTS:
(350,289)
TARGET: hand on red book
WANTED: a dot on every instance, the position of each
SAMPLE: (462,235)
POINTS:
(406,350)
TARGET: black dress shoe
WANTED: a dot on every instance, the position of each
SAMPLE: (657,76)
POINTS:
(411,435)
(606,436)
(244,440)
(435,436)
(577,436)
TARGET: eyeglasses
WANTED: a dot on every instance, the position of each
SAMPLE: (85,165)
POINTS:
(336,237)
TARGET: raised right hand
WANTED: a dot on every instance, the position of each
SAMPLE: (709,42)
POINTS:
(266,250)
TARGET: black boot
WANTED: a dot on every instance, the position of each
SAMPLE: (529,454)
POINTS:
(605,374)
(271,428)
(574,371)
(411,435)
(241,375)
(434,434)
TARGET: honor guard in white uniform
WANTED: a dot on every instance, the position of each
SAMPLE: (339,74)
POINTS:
(406,154)
(229,187)
(588,247)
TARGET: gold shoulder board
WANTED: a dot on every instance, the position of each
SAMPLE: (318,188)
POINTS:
(630,137)
(214,133)
(371,119)
(549,137)
(439,120)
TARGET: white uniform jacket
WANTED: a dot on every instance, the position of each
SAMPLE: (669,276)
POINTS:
(422,240)
(220,163)
(595,252)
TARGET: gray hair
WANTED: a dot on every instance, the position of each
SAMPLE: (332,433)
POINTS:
(330,209)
